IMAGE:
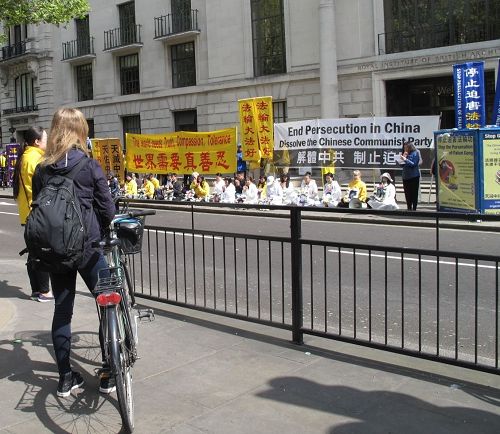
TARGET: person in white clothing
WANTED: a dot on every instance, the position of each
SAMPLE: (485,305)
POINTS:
(309,187)
(229,194)
(274,192)
(384,196)
(332,193)
(218,185)
(250,192)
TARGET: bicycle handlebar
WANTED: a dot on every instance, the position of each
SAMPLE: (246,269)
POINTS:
(135,213)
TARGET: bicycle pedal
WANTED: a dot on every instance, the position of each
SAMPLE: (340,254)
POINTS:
(144,315)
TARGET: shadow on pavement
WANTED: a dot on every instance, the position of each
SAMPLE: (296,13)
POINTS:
(380,411)
(85,409)
(8,291)
(487,394)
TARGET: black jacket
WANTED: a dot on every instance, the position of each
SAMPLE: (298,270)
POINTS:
(91,186)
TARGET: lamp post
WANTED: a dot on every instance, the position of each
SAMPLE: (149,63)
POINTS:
(13,139)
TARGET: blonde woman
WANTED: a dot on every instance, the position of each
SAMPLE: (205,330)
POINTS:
(66,147)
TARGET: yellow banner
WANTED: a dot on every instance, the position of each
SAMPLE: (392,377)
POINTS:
(248,125)
(257,128)
(109,154)
(265,125)
(182,152)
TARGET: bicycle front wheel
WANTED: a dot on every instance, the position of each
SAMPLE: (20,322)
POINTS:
(121,369)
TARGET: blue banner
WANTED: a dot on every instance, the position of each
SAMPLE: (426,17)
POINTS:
(468,80)
(495,120)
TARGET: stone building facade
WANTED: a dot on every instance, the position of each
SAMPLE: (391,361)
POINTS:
(152,66)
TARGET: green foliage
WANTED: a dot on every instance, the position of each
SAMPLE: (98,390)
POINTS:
(14,12)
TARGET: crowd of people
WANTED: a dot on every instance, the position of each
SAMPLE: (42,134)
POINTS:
(265,190)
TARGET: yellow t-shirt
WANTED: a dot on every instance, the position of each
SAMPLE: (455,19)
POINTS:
(359,185)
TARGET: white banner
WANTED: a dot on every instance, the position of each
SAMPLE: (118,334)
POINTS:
(353,142)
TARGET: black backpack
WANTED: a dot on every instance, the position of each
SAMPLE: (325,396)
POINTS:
(55,233)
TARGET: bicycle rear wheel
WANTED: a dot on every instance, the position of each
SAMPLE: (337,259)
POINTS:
(121,369)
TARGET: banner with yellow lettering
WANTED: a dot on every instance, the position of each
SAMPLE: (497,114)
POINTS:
(182,152)
(109,154)
(257,128)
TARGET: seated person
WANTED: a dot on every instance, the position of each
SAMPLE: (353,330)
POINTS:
(148,187)
(177,186)
(384,196)
(200,187)
(130,186)
(356,191)
(309,187)
(229,194)
(218,185)
(250,192)
(332,193)
(274,192)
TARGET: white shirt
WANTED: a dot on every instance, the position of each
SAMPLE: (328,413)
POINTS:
(219,187)
(229,195)
(274,190)
(311,189)
(333,189)
(251,193)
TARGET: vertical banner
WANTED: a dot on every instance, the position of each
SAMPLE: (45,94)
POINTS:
(265,125)
(490,171)
(110,156)
(11,153)
(495,120)
(249,135)
(470,103)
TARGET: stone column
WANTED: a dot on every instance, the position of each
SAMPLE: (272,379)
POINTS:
(328,60)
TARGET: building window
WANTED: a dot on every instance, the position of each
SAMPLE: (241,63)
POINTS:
(129,74)
(128,28)
(186,120)
(25,95)
(279,112)
(90,123)
(181,15)
(268,36)
(417,24)
(84,83)
(131,125)
(183,65)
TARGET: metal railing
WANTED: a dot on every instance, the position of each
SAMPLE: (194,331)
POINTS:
(433,304)
(424,37)
(78,47)
(24,109)
(122,36)
(13,50)
(172,24)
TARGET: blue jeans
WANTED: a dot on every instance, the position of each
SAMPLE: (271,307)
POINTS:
(64,289)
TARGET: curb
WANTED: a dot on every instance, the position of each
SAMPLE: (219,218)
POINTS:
(371,219)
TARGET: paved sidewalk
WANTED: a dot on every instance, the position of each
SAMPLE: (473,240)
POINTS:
(201,373)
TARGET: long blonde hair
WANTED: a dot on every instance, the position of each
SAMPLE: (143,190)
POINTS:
(69,129)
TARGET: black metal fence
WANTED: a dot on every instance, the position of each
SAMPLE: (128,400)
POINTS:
(122,36)
(78,47)
(175,23)
(434,304)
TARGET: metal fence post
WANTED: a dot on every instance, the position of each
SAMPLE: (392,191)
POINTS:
(297,308)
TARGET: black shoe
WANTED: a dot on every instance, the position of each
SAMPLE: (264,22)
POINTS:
(68,382)
(107,383)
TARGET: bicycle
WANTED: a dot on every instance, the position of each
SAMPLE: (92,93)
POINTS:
(115,300)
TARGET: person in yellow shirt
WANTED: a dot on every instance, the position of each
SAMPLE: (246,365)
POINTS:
(200,187)
(3,166)
(36,142)
(155,181)
(149,188)
(130,187)
(356,190)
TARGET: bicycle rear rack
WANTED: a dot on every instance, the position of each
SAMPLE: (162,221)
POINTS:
(110,279)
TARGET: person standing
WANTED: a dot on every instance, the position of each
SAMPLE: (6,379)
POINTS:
(31,154)
(410,160)
(66,147)
(3,167)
